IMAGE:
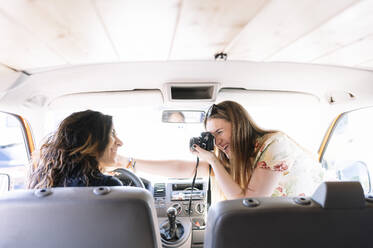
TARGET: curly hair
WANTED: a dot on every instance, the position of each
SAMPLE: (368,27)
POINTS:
(72,151)
(244,134)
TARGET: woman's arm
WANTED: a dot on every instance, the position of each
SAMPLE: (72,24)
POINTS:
(225,182)
(166,168)
(262,183)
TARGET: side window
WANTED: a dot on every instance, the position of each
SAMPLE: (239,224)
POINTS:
(348,154)
(13,153)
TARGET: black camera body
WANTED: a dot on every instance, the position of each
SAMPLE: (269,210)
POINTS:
(205,141)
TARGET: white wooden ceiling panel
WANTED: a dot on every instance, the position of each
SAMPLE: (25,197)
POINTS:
(40,33)
(70,28)
(207,27)
(352,55)
(281,23)
(142,29)
(21,49)
(351,25)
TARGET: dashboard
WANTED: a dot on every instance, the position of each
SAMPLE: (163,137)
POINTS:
(177,193)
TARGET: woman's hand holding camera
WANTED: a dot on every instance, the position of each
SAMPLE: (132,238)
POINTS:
(204,155)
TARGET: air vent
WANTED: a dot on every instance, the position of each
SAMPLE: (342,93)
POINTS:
(159,190)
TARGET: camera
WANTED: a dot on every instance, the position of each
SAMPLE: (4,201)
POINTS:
(205,141)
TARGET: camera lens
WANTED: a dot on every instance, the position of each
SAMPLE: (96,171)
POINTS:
(205,141)
(194,140)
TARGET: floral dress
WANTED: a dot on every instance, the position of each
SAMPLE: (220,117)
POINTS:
(301,173)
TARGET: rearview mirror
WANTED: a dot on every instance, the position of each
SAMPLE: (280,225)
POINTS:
(4,183)
(184,116)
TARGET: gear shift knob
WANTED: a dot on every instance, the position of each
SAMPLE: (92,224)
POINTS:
(171,214)
(171,211)
(172,231)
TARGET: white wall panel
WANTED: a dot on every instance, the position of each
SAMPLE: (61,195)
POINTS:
(39,33)
(281,23)
(140,30)
(70,29)
(349,26)
(350,55)
(207,27)
(20,48)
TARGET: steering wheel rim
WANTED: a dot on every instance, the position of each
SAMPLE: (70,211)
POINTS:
(123,174)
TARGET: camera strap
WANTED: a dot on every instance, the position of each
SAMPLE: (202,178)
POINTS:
(193,182)
(209,190)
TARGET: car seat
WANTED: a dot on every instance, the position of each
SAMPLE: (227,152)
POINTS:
(93,217)
(337,215)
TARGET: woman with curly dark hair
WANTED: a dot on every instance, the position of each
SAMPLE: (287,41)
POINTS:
(77,153)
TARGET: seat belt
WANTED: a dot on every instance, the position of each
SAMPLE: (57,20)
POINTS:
(209,190)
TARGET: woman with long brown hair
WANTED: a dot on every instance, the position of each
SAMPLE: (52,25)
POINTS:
(248,160)
(77,153)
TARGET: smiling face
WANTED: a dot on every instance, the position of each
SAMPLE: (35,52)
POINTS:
(110,153)
(222,131)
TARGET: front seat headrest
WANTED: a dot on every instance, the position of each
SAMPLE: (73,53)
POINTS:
(342,195)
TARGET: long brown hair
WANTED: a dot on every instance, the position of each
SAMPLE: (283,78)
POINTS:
(72,151)
(244,134)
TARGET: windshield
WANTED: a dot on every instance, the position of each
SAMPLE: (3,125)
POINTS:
(145,136)
(143,133)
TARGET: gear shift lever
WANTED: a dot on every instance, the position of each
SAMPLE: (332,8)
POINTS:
(171,230)
(171,214)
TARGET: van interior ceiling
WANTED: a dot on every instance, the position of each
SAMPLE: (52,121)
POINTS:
(302,67)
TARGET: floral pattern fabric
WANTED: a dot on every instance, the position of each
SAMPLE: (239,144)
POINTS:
(301,173)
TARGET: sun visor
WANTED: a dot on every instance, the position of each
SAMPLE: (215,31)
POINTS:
(111,99)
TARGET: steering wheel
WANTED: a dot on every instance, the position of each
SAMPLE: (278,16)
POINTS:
(128,178)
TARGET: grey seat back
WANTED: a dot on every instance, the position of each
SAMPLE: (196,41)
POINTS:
(79,217)
(337,215)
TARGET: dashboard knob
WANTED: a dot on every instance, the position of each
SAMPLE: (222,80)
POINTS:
(200,208)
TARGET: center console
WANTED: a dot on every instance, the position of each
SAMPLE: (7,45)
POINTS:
(186,226)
